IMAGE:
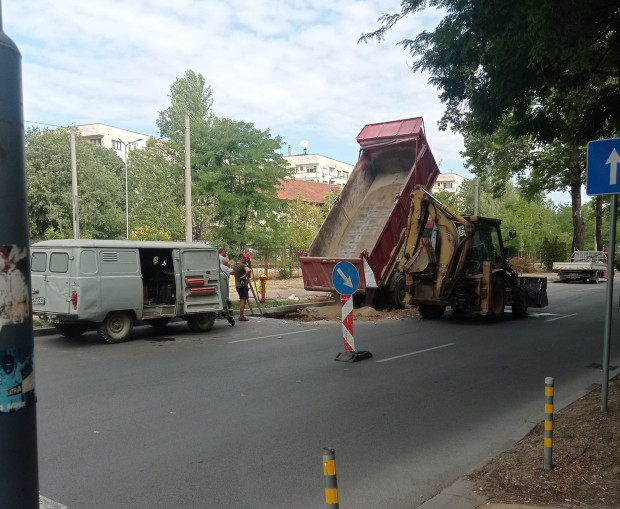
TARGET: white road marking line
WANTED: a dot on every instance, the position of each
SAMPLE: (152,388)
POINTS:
(415,353)
(272,336)
(560,317)
(46,503)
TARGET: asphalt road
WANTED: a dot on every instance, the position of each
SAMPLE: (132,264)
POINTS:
(238,417)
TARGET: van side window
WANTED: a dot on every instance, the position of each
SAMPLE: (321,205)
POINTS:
(59,262)
(38,262)
(88,262)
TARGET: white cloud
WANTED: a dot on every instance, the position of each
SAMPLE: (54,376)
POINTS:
(292,66)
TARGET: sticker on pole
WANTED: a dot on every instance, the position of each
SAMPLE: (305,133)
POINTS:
(345,278)
(16,379)
(14,305)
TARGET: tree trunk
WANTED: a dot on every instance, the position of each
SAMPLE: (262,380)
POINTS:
(598,213)
(575,192)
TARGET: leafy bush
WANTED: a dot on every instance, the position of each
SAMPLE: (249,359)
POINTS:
(553,250)
(284,273)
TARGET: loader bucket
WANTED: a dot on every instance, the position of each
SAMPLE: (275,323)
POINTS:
(536,288)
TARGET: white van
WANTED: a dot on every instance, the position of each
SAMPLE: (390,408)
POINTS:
(109,284)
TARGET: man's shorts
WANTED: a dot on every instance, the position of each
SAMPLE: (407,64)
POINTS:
(243,292)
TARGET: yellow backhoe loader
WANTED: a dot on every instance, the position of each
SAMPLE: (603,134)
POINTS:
(460,261)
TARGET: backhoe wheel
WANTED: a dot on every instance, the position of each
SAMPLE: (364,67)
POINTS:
(116,328)
(498,298)
(519,302)
(201,322)
(71,330)
(397,291)
(429,311)
(158,323)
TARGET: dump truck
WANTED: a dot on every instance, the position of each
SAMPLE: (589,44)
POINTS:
(583,266)
(460,262)
(367,224)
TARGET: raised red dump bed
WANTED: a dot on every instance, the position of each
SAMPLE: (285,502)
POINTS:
(367,224)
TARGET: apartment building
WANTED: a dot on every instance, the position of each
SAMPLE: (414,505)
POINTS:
(450,182)
(318,168)
(120,140)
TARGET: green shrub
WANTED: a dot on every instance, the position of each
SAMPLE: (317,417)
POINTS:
(553,250)
(284,273)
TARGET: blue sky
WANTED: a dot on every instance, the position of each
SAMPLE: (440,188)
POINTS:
(290,66)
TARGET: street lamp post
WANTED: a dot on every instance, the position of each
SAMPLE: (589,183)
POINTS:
(126,144)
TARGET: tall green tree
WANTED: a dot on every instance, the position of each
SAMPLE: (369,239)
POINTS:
(237,169)
(100,188)
(553,71)
(156,190)
(189,95)
(303,223)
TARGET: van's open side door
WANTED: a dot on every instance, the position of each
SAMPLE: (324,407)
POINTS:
(200,281)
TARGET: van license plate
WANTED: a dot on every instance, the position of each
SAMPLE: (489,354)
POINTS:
(38,300)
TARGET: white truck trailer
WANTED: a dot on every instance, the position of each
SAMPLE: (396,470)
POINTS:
(583,266)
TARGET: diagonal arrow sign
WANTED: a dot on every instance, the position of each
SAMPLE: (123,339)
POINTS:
(347,280)
(613,161)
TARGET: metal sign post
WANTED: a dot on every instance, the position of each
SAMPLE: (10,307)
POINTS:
(346,280)
(19,477)
(603,178)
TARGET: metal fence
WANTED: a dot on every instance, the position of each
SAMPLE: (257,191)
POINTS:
(274,262)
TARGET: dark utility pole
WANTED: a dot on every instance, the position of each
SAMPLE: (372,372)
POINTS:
(19,479)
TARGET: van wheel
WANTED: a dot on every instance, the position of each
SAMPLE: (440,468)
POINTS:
(201,322)
(158,322)
(116,328)
(71,330)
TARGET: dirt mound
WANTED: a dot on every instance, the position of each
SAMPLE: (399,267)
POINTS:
(363,314)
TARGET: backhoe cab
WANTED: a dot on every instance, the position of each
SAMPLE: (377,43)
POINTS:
(460,261)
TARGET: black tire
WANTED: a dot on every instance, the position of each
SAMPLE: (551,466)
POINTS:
(457,311)
(397,291)
(201,322)
(429,311)
(498,298)
(116,328)
(71,330)
(519,302)
(594,279)
(158,322)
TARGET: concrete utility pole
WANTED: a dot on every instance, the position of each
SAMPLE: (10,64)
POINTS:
(74,188)
(188,184)
(19,476)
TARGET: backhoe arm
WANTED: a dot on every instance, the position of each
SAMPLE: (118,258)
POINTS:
(440,265)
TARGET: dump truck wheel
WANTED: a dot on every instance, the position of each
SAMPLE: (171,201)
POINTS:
(397,291)
(430,311)
(498,298)
(116,328)
(594,279)
(158,322)
(519,302)
(71,330)
(201,322)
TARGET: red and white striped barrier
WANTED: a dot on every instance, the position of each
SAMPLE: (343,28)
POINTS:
(346,302)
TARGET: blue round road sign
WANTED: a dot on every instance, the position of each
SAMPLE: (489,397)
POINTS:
(345,278)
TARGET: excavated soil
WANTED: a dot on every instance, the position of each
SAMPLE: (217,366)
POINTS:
(363,314)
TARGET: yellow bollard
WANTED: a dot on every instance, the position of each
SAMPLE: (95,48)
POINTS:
(548,441)
(329,472)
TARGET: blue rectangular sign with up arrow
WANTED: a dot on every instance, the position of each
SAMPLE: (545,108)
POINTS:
(603,167)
